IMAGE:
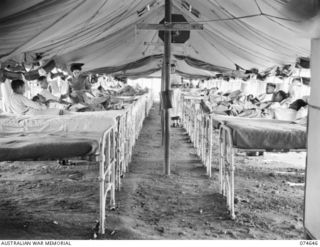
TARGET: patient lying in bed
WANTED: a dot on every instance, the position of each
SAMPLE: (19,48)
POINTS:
(280,107)
(23,106)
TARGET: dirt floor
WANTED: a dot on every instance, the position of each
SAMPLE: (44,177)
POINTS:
(41,200)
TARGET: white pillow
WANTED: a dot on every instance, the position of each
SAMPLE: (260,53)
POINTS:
(285,114)
(302,113)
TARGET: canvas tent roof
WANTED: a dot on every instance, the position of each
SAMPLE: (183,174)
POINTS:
(102,34)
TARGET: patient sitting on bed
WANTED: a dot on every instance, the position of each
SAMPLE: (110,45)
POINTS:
(45,96)
(46,90)
(21,105)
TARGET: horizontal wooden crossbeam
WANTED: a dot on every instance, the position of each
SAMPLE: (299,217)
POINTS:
(160,44)
(170,26)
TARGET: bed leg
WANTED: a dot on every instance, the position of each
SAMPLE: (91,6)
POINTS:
(232,169)
(113,189)
(117,153)
(102,199)
(118,166)
(189,126)
(222,162)
(197,135)
(227,191)
(203,140)
(200,136)
(226,171)
(199,128)
(210,147)
(119,174)
(198,142)
(225,181)
(188,120)
(195,130)
(206,146)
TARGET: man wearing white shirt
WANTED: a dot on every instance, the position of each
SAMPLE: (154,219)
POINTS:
(45,90)
(51,100)
(6,95)
(20,104)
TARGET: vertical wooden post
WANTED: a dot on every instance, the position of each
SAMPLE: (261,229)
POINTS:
(167,63)
(161,104)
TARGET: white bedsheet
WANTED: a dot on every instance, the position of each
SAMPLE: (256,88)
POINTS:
(97,121)
(75,122)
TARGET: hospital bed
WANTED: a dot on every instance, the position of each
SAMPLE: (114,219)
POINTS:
(201,126)
(129,125)
(33,144)
(253,135)
(106,138)
(237,135)
(197,124)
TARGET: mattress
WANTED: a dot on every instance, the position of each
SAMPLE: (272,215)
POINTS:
(266,134)
(218,119)
(44,146)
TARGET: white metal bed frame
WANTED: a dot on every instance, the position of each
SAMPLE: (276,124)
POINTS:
(227,151)
(104,156)
(199,127)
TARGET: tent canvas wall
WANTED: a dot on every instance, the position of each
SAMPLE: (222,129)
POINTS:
(78,31)
(312,191)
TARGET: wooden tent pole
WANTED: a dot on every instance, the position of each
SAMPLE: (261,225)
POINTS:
(161,104)
(167,63)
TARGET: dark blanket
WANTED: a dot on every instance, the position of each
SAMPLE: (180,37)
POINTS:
(39,146)
(267,134)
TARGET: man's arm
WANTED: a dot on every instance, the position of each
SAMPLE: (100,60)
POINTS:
(32,104)
(87,84)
